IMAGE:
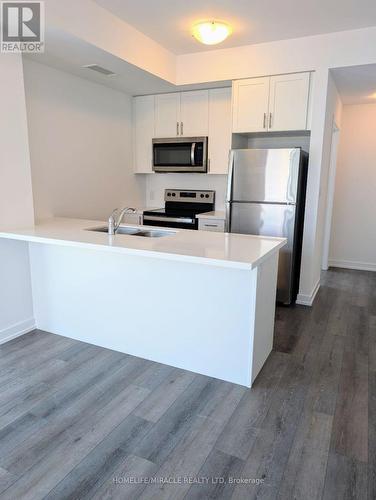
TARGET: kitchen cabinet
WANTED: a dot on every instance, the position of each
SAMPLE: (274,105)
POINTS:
(167,115)
(216,225)
(143,131)
(288,102)
(271,104)
(219,142)
(250,104)
(182,114)
(212,221)
(194,113)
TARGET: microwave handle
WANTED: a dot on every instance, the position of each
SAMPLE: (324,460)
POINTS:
(193,150)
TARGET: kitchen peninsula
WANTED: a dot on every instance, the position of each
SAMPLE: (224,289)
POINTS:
(200,301)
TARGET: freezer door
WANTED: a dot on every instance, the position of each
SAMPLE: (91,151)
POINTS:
(269,220)
(264,175)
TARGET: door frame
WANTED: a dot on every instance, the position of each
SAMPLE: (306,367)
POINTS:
(330,195)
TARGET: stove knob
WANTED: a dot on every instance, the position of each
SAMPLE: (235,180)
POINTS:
(168,194)
(206,196)
(173,194)
(202,196)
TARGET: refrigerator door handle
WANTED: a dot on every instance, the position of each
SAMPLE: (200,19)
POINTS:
(230,175)
(228,217)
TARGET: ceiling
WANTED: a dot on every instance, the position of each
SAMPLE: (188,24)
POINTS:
(71,54)
(168,22)
(356,84)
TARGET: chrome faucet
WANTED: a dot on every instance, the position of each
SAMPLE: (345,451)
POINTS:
(113,224)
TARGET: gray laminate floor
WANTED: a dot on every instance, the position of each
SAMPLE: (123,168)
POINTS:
(78,421)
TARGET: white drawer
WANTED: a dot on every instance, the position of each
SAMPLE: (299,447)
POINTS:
(211,225)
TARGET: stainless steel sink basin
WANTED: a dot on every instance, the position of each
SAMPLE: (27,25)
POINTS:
(154,233)
(134,231)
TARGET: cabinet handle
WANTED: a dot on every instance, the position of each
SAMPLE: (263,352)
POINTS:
(177,128)
(211,225)
(270,121)
(208,164)
(181,128)
(264,125)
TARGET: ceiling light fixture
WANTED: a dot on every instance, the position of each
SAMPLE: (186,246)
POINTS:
(211,32)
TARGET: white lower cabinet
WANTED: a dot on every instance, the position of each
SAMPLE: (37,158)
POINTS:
(216,225)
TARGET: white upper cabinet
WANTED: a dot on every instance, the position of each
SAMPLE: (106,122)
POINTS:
(250,105)
(167,115)
(288,102)
(182,114)
(143,128)
(194,113)
(271,104)
(219,130)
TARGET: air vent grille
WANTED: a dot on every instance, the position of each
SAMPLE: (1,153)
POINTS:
(100,69)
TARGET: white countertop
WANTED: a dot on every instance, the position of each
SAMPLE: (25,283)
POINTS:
(218,249)
(215,214)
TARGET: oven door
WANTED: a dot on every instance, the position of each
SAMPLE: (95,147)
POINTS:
(177,222)
(188,154)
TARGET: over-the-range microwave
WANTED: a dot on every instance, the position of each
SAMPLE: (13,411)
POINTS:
(183,154)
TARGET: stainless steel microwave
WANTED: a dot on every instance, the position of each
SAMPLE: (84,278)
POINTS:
(180,154)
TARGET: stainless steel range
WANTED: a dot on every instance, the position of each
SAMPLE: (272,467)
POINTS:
(181,208)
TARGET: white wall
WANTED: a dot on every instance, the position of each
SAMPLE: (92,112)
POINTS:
(157,183)
(333,116)
(353,235)
(81,145)
(331,50)
(16,201)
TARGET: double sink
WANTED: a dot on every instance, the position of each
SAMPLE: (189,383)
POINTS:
(134,231)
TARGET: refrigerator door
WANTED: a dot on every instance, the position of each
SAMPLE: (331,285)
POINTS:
(269,220)
(264,175)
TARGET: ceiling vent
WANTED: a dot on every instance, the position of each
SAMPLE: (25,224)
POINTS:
(99,69)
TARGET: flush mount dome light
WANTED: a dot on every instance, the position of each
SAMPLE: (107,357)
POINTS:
(211,32)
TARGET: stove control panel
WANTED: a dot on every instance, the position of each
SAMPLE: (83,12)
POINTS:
(189,196)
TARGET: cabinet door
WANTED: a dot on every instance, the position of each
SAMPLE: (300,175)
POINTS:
(288,103)
(250,105)
(219,142)
(143,120)
(167,114)
(194,113)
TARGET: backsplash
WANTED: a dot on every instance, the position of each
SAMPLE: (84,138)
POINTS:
(157,183)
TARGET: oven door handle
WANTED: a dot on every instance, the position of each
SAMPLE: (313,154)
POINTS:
(193,150)
(169,219)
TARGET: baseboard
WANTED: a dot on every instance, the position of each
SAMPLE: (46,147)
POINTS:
(351,264)
(307,300)
(17,330)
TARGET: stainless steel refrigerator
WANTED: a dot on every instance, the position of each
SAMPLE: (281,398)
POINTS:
(266,196)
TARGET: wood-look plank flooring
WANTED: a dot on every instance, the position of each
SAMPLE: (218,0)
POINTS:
(82,422)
